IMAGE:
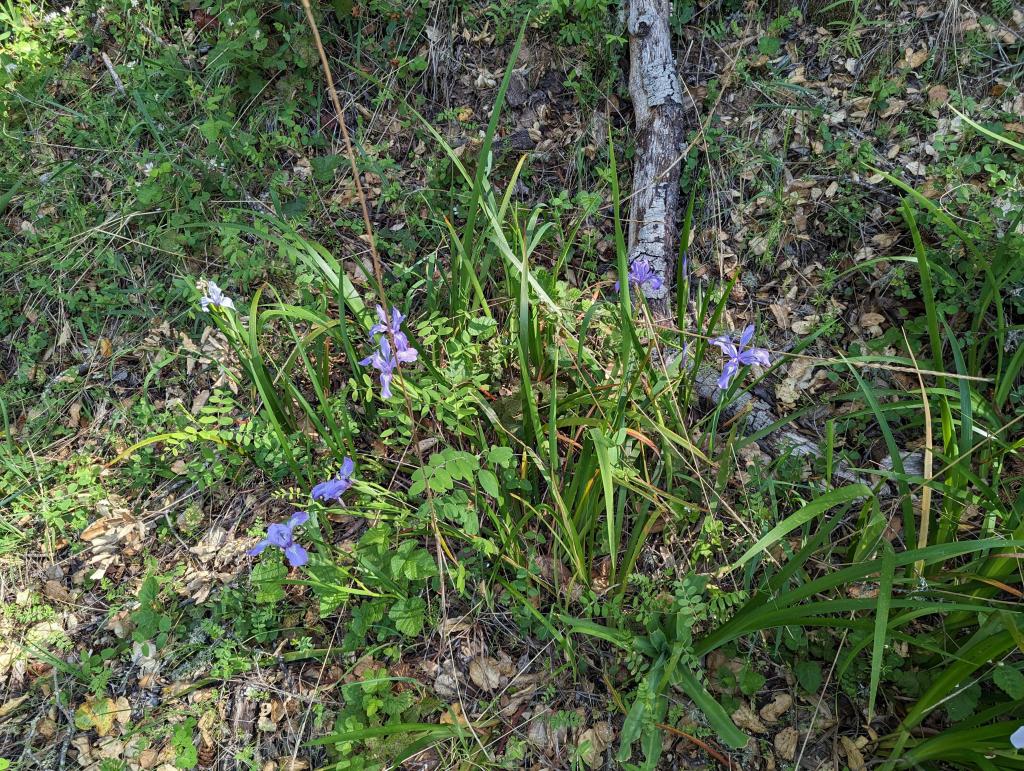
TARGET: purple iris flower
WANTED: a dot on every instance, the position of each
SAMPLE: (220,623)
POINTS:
(384,361)
(215,297)
(283,538)
(741,355)
(1017,738)
(394,327)
(642,276)
(335,487)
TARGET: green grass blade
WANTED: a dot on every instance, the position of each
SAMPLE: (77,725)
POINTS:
(909,523)
(713,711)
(607,485)
(881,621)
(483,157)
(814,509)
(927,291)
(682,276)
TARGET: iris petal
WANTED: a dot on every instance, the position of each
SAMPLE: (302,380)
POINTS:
(329,490)
(1017,738)
(297,556)
(756,356)
(726,346)
(728,373)
(347,467)
(258,548)
(392,349)
(279,535)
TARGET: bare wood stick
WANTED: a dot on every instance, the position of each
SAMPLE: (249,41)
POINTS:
(658,104)
(118,83)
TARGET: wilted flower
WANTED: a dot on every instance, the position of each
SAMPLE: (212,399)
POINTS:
(215,297)
(1017,738)
(642,276)
(283,538)
(334,488)
(385,361)
(741,355)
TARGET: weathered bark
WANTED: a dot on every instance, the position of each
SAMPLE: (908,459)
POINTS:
(661,112)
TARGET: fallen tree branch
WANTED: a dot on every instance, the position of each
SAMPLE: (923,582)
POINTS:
(118,83)
(658,107)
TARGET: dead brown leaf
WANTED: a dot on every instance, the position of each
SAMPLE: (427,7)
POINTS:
(806,325)
(97,714)
(593,742)
(776,708)
(455,715)
(115,535)
(10,706)
(894,107)
(786,741)
(745,718)
(485,673)
(854,758)
(781,314)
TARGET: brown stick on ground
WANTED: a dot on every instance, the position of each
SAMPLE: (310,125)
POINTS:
(658,104)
